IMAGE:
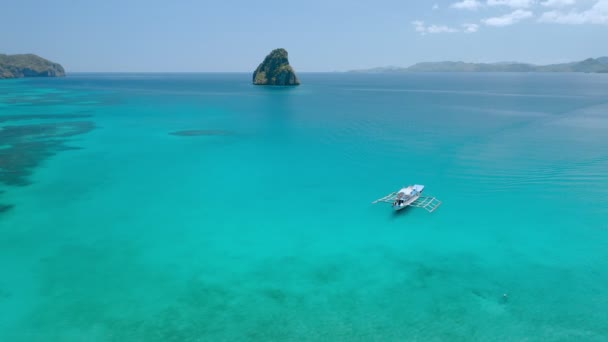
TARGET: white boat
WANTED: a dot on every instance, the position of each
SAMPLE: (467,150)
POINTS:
(410,196)
(406,196)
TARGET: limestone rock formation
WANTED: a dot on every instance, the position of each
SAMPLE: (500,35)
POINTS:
(275,70)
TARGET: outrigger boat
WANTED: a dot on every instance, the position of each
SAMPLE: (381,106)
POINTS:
(410,196)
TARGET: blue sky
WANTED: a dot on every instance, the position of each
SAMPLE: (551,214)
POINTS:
(320,35)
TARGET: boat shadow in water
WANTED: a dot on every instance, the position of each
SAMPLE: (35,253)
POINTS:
(399,213)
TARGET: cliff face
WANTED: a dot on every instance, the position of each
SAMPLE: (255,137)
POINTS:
(16,66)
(275,70)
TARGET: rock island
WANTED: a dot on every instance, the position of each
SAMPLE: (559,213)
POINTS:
(28,65)
(275,70)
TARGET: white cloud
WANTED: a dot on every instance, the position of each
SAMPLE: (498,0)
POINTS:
(475,4)
(467,4)
(508,19)
(512,3)
(556,11)
(440,29)
(435,7)
(470,28)
(420,27)
(598,14)
(558,3)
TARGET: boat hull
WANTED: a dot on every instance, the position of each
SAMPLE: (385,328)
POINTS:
(406,203)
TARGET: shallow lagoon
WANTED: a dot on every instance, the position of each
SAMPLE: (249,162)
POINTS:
(255,223)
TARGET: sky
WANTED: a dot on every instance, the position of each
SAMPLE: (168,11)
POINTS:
(320,35)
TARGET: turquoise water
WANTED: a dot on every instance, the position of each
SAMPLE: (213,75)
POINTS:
(256,224)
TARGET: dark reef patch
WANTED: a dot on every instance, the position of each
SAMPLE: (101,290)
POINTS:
(277,295)
(24,147)
(202,132)
(37,122)
(5,207)
(7,118)
(327,273)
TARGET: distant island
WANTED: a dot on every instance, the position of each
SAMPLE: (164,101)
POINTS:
(590,65)
(275,70)
(28,65)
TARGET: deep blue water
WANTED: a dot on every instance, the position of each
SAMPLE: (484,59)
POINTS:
(257,224)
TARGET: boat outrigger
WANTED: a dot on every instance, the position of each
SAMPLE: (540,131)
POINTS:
(410,196)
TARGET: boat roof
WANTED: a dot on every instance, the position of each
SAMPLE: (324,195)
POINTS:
(409,189)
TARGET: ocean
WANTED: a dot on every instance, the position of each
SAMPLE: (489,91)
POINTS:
(198,207)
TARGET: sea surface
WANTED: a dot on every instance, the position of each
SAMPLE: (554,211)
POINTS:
(198,207)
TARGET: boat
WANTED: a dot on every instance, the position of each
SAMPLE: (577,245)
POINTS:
(410,196)
(407,196)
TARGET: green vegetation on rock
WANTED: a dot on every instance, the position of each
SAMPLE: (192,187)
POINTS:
(275,70)
(16,66)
